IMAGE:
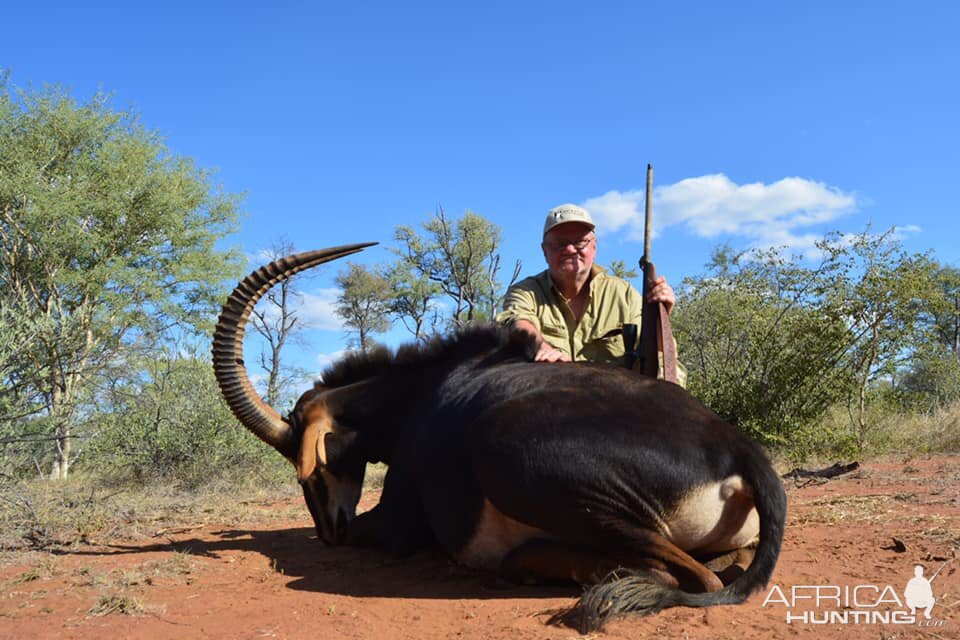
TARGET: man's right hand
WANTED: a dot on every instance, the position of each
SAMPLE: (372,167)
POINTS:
(549,353)
(546,352)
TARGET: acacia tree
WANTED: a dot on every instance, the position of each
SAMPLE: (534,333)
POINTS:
(933,379)
(760,348)
(462,258)
(881,290)
(166,420)
(106,239)
(414,299)
(771,343)
(363,302)
(945,312)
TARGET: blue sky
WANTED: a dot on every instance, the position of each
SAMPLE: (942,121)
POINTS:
(766,122)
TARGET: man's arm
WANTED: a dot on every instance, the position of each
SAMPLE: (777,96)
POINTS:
(520,314)
(545,351)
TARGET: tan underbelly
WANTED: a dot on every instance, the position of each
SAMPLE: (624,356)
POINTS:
(496,536)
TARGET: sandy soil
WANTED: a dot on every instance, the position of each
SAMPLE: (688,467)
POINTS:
(277,581)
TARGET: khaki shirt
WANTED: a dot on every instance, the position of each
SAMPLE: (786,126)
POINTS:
(598,337)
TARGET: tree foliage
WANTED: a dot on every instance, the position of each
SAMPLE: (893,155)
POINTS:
(772,344)
(168,422)
(944,309)
(880,290)
(619,269)
(363,302)
(461,258)
(932,379)
(757,351)
(414,299)
(106,239)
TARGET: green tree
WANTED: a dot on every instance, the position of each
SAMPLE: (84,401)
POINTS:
(363,302)
(933,376)
(106,238)
(462,258)
(414,299)
(945,312)
(772,344)
(17,398)
(165,420)
(880,290)
(933,379)
(619,269)
(759,348)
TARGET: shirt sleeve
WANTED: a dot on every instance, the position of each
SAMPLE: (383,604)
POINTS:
(520,303)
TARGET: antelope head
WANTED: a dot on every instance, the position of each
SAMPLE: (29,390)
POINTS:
(328,463)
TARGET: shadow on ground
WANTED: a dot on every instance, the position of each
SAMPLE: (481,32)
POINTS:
(298,554)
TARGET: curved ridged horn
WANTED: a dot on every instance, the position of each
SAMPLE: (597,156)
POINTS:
(243,400)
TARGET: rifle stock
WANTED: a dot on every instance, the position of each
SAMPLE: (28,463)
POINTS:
(649,348)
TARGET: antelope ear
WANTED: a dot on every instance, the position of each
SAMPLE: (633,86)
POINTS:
(312,447)
(307,457)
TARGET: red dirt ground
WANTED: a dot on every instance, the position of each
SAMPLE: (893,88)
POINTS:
(276,581)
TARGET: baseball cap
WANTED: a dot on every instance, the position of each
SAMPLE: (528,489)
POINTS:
(567,213)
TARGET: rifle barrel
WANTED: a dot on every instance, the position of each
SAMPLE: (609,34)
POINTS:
(648,215)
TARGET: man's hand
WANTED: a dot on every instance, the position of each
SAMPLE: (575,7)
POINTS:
(545,351)
(662,293)
(549,353)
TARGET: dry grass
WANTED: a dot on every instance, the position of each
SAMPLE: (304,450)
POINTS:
(936,432)
(847,509)
(887,432)
(42,515)
(117,603)
(45,515)
(177,566)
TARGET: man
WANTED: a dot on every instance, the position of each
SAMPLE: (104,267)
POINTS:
(574,309)
(919,593)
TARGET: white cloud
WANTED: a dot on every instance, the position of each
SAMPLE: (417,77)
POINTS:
(318,309)
(324,360)
(901,232)
(314,309)
(766,214)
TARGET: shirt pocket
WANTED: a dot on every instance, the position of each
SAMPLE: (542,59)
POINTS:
(605,347)
(555,333)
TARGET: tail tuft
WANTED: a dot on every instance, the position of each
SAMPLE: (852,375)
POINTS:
(622,592)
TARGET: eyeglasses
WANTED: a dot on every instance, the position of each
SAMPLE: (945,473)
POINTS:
(579,245)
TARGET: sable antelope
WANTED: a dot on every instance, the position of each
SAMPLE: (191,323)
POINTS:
(544,471)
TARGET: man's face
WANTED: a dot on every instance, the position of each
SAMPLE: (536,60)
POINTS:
(569,249)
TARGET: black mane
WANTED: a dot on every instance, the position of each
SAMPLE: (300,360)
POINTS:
(468,342)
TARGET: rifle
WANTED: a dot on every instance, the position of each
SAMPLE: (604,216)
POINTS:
(655,333)
(938,572)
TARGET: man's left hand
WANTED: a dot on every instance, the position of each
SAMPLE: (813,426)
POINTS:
(662,292)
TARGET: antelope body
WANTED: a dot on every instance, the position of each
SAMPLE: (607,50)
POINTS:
(540,471)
